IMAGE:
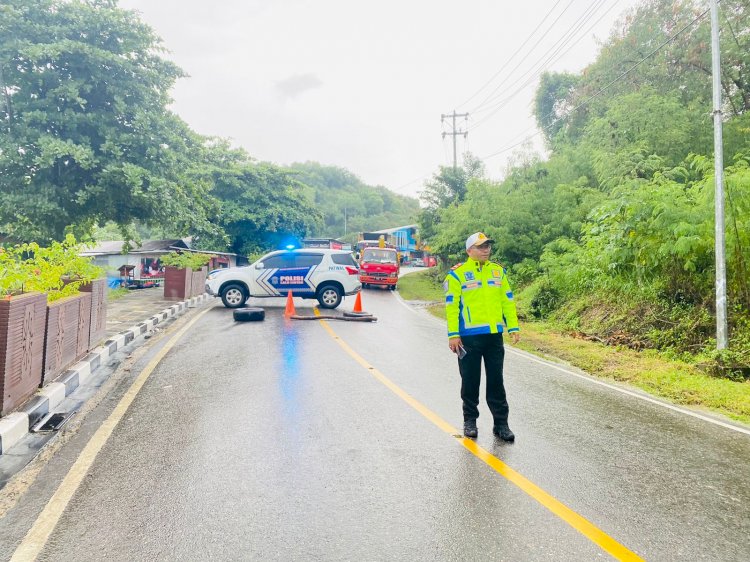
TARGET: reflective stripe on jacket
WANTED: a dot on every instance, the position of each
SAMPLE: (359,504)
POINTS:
(479,300)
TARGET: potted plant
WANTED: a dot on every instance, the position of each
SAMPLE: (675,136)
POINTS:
(44,320)
(185,274)
(22,324)
(62,271)
(98,329)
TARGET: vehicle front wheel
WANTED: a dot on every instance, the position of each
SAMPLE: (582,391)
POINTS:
(233,296)
(329,296)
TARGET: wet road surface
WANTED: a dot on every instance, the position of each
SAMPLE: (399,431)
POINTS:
(271,441)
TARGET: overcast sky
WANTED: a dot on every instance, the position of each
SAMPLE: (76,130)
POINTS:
(362,85)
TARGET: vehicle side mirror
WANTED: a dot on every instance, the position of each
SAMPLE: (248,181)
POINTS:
(259,265)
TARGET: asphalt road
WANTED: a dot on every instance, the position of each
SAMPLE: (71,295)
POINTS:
(304,440)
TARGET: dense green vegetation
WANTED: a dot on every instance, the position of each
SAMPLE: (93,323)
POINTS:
(88,145)
(611,236)
(86,136)
(349,206)
(677,381)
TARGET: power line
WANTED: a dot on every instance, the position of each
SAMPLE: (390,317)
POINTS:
(492,93)
(420,178)
(502,103)
(582,104)
(550,57)
(507,62)
(598,93)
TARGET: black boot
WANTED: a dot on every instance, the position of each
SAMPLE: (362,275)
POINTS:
(504,432)
(470,428)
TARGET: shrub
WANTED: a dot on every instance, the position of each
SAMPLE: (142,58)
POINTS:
(544,299)
(58,269)
(14,272)
(184,260)
(524,272)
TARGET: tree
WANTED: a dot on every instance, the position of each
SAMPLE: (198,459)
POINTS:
(349,205)
(86,134)
(662,45)
(552,102)
(449,184)
(260,205)
(614,230)
(447,188)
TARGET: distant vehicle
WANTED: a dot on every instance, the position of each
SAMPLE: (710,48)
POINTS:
(310,273)
(379,266)
(417,262)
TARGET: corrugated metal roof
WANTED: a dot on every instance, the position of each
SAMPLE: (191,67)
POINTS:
(113,247)
(391,230)
(162,245)
(148,246)
(104,248)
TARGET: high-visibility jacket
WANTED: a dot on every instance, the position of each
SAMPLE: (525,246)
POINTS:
(479,300)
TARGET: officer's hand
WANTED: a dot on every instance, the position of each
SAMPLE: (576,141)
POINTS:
(454,344)
(515,337)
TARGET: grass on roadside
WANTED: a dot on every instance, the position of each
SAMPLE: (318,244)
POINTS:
(419,286)
(114,294)
(677,382)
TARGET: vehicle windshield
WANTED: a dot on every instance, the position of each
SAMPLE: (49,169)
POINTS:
(374,255)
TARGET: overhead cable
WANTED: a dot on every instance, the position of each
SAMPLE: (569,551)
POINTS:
(557,56)
(510,74)
(546,57)
(604,88)
(507,62)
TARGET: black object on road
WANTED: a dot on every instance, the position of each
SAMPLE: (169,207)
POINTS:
(357,318)
(249,314)
(52,422)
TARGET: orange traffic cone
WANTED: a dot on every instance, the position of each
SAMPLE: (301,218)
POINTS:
(358,303)
(289,310)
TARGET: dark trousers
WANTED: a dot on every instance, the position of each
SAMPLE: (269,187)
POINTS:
(490,347)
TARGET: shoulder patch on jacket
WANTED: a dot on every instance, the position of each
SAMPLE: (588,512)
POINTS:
(455,267)
(501,266)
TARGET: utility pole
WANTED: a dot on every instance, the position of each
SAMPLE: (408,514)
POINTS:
(454,133)
(722,339)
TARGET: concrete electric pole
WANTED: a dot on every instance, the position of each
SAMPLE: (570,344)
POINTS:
(722,338)
(454,133)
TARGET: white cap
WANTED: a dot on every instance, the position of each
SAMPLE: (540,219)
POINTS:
(477,238)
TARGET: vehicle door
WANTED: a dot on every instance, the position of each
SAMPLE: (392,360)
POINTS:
(288,272)
(267,269)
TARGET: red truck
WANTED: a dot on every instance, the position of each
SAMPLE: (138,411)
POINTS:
(379,266)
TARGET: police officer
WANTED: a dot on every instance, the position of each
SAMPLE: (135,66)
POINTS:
(478,301)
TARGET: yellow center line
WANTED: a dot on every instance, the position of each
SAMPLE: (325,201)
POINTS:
(37,537)
(579,523)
